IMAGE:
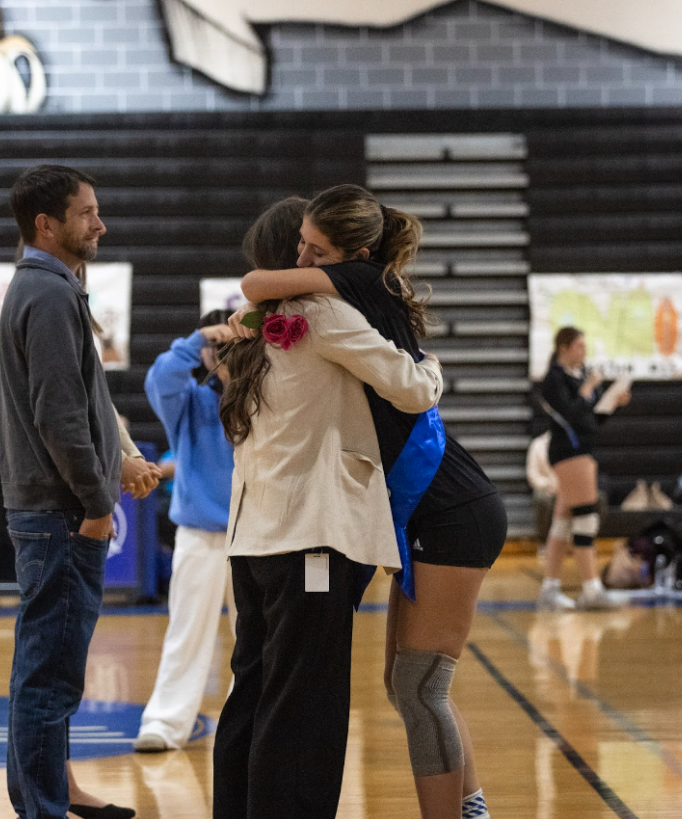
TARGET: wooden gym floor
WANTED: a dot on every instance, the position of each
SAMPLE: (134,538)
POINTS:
(574,716)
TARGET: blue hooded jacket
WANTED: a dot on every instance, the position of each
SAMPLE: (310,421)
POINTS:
(203,457)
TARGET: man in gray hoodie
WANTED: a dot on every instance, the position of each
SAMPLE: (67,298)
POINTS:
(60,465)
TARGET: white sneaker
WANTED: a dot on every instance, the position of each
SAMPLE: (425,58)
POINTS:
(554,600)
(599,601)
(657,497)
(638,499)
(150,744)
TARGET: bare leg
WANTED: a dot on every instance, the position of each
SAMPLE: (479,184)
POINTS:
(586,562)
(78,796)
(577,487)
(471,782)
(556,548)
(439,621)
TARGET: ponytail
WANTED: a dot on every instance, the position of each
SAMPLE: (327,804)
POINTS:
(352,218)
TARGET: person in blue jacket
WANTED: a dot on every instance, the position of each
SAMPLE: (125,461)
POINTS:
(200,506)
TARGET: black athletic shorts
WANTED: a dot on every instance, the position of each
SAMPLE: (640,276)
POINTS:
(470,535)
(560,448)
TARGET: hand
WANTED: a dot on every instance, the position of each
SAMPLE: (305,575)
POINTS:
(432,357)
(167,468)
(593,380)
(217,334)
(139,477)
(234,322)
(98,528)
(624,399)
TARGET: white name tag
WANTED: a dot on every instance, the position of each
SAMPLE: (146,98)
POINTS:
(317,573)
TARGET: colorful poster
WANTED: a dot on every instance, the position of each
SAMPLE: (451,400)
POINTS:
(110,288)
(221,294)
(632,321)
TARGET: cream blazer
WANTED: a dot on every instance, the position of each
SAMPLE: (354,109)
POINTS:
(309,473)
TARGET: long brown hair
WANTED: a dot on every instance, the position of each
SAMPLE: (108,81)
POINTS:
(564,338)
(352,218)
(270,244)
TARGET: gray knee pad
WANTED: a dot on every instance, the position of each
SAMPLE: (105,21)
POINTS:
(585,525)
(421,681)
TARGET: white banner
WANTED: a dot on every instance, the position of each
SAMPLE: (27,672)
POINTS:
(110,289)
(220,294)
(217,38)
(632,321)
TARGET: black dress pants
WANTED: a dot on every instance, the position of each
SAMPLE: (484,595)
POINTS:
(281,739)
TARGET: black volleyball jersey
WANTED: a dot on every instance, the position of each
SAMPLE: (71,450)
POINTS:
(459,478)
(572,415)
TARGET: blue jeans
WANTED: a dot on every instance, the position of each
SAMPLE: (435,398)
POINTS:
(61,576)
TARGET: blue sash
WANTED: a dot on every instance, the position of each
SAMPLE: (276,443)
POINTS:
(408,480)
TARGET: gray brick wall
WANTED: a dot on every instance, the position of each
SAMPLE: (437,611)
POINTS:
(111,56)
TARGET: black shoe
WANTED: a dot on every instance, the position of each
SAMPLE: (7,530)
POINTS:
(107,812)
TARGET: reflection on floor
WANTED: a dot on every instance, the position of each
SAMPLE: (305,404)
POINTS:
(574,716)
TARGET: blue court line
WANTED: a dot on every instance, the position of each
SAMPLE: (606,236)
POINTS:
(485,606)
(585,692)
(609,796)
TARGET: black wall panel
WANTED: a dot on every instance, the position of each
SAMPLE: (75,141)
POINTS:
(177,192)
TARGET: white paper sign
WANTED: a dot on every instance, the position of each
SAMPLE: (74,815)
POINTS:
(221,294)
(110,290)
(110,287)
(609,402)
(632,321)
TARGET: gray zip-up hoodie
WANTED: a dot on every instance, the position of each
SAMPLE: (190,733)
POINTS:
(59,440)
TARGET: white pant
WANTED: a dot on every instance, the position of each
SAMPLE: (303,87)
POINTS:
(200,578)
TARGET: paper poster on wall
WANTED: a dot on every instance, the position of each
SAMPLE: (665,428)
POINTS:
(632,321)
(110,289)
(220,294)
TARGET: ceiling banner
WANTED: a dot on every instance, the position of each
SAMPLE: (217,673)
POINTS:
(217,37)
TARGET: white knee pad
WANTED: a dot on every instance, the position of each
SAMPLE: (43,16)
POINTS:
(421,681)
(585,524)
(561,528)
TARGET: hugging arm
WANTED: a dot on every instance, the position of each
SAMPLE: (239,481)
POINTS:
(341,334)
(263,285)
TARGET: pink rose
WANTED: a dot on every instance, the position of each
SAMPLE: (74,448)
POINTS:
(297,327)
(278,329)
(275,329)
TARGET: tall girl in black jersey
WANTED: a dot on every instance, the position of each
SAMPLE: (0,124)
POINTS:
(353,246)
(569,396)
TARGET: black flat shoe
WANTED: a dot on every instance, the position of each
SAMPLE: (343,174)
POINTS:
(107,812)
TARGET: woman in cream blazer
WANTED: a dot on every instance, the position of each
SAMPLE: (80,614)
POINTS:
(309,474)
(309,507)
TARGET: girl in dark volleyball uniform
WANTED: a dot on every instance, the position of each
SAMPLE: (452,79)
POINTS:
(569,397)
